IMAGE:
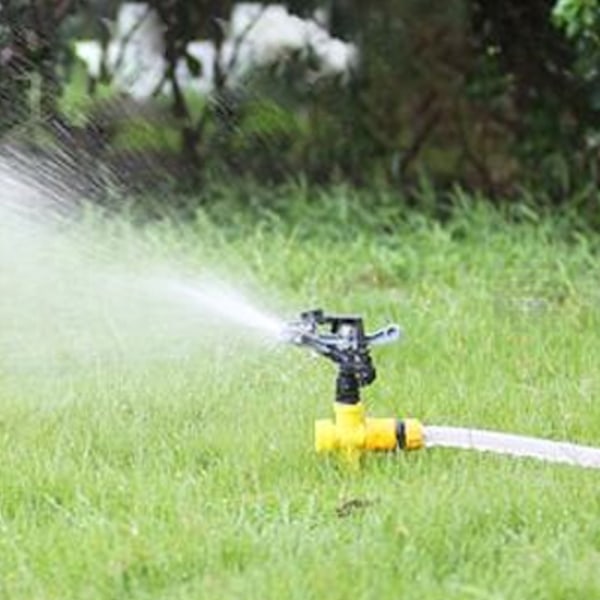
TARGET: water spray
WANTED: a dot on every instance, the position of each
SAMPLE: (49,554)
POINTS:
(351,433)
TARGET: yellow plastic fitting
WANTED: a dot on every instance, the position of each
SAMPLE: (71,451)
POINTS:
(413,434)
(352,432)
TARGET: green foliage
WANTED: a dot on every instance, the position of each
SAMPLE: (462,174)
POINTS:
(540,102)
(578,17)
(493,97)
(581,21)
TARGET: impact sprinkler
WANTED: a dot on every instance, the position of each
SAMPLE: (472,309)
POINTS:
(342,339)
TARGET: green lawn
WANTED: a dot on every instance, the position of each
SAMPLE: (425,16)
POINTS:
(148,474)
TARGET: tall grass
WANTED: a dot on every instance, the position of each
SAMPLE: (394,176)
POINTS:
(197,479)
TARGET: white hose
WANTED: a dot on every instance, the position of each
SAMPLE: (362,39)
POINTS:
(515,445)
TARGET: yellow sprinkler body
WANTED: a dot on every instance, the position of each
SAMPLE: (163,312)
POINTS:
(352,433)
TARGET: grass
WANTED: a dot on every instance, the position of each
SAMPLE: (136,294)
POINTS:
(197,479)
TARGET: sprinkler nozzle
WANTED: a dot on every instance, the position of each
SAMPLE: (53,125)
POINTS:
(342,339)
(320,331)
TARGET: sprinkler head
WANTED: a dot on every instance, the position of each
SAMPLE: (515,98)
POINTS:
(342,339)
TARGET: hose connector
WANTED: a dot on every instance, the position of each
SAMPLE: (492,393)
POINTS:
(410,434)
(352,433)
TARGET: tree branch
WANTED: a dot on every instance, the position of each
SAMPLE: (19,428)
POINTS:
(62,9)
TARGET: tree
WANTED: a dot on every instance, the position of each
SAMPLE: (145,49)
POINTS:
(30,51)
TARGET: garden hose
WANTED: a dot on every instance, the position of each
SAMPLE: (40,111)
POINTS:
(511,444)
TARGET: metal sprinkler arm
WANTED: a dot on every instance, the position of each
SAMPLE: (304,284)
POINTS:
(342,339)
